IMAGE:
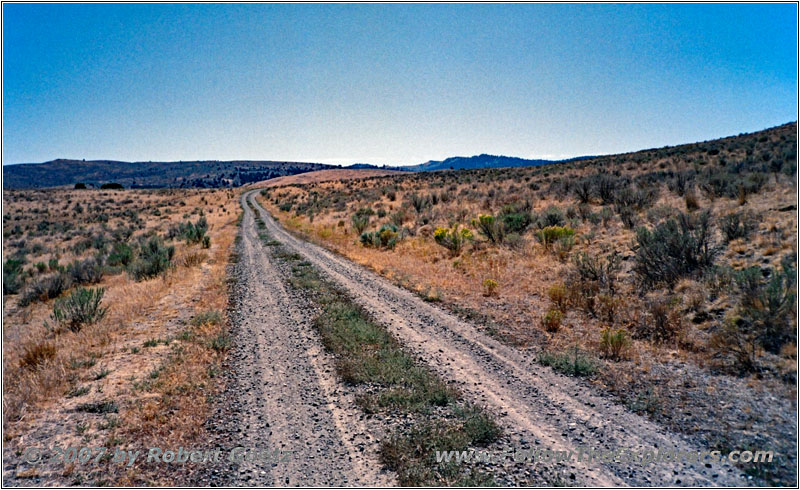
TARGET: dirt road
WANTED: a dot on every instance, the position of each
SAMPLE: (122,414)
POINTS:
(283,395)
(537,408)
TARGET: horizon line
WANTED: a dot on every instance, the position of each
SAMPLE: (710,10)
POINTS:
(311,161)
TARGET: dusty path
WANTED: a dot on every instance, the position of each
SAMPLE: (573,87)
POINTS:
(285,395)
(538,408)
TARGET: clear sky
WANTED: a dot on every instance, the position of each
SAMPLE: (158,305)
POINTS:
(388,84)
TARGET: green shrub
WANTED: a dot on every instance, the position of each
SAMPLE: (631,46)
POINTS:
(552,216)
(386,237)
(419,203)
(489,287)
(766,306)
(81,307)
(558,296)
(737,225)
(490,227)
(221,342)
(48,287)
(516,218)
(674,249)
(573,363)
(614,343)
(87,271)
(12,276)
(692,203)
(121,254)
(360,220)
(516,222)
(211,317)
(563,246)
(551,321)
(452,239)
(663,319)
(397,218)
(194,232)
(605,187)
(154,258)
(584,190)
(601,271)
(550,234)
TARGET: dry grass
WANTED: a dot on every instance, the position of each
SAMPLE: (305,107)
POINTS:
(48,377)
(525,271)
(323,176)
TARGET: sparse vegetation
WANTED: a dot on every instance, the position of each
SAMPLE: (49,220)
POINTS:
(453,239)
(572,363)
(62,270)
(648,274)
(367,355)
(154,258)
(81,307)
(674,249)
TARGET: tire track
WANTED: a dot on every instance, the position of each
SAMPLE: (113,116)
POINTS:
(286,396)
(537,407)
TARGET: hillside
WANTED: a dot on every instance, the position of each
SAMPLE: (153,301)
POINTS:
(479,161)
(210,173)
(324,176)
(664,277)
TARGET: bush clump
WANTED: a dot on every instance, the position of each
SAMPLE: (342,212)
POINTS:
(552,216)
(453,239)
(386,237)
(490,227)
(613,343)
(763,318)
(489,287)
(121,254)
(81,307)
(191,232)
(360,220)
(738,225)
(573,363)
(12,276)
(674,249)
(48,287)
(516,218)
(87,271)
(154,258)
(551,321)
(549,235)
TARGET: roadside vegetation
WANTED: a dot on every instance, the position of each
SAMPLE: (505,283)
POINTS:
(394,385)
(665,277)
(114,321)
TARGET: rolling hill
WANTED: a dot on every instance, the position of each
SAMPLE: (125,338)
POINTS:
(210,173)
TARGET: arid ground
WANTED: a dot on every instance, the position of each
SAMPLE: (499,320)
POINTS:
(359,322)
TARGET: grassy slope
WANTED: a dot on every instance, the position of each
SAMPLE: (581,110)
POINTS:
(677,375)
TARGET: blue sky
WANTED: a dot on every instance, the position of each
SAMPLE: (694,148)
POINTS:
(388,84)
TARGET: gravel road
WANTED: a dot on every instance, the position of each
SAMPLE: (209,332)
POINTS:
(283,394)
(289,395)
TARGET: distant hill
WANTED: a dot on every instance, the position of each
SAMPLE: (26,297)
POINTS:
(346,173)
(481,161)
(210,173)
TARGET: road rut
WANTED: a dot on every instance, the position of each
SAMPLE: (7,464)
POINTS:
(283,394)
(537,407)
